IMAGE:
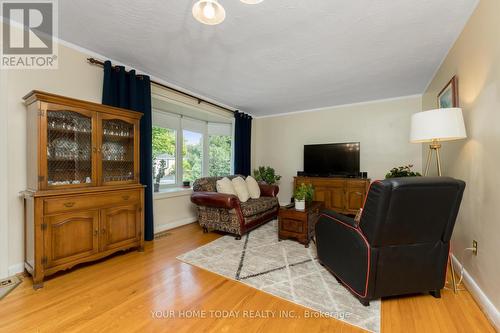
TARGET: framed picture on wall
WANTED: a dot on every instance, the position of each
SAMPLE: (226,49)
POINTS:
(448,97)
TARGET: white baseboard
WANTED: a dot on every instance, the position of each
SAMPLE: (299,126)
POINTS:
(175,224)
(482,300)
(16,269)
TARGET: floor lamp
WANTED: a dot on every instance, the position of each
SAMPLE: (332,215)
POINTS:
(435,126)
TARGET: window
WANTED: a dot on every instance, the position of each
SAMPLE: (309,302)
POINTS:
(164,152)
(219,149)
(185,149)
(192,155)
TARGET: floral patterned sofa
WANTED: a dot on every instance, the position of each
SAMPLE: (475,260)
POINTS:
(225,212)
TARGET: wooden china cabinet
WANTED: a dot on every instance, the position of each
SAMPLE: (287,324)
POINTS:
(83,199)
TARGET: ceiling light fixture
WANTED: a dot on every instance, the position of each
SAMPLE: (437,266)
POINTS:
(209,12)
(251,2)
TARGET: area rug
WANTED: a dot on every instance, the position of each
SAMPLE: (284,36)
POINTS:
(284,269)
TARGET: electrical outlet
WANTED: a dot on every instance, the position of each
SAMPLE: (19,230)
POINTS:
(474,247)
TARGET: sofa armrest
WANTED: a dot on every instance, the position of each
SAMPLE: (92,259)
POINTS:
(216,200)
(267,190)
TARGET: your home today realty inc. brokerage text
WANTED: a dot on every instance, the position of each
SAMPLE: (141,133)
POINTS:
(252,314)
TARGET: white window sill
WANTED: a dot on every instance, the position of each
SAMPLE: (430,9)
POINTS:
(172,192)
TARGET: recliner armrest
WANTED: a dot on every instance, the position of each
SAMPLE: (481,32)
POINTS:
(342,218)
(215,199)
(343,249)
(267,190)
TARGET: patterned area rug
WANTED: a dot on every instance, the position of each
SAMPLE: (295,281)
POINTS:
(284,269)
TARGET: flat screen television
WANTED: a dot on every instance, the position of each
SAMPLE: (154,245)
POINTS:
(332,159)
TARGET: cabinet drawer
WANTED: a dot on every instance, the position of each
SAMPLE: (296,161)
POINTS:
(61,205)
(296,226)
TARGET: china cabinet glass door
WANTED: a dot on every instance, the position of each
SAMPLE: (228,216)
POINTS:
(69,148)
(118,150)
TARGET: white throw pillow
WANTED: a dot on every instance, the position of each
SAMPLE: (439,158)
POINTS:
(240,186)
(253,187)
(225,186)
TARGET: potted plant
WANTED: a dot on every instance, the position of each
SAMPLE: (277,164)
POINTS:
(302,194)
(159,175)
(402,171)
(266,174)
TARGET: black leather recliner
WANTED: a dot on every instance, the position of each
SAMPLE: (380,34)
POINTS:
(402,242)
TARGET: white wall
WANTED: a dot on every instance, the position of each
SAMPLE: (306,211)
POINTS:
(475,59)
(382,127)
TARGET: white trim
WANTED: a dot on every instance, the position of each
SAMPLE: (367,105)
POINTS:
(175,224)
(16,269)
(483,301)
(281,114)
(172,193)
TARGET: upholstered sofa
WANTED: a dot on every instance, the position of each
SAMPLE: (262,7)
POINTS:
(225,212)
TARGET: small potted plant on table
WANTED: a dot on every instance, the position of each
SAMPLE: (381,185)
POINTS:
(267,175)
(302,194)
(402,171)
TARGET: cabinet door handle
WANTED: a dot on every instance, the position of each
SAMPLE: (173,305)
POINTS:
(96,232)
(103,231)
(69,204)
(125,197)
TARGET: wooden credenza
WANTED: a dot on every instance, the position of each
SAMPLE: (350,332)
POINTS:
(84,200)
(343,195)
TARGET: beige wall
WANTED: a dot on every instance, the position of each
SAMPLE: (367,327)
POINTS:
(171,210)
(4,237)
(382,127)
(74,78)
(475,59)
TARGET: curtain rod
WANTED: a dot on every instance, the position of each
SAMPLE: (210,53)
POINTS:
(97,62)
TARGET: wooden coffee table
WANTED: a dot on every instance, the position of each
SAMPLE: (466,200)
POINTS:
(299,225)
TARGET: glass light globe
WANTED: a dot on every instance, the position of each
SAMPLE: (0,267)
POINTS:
(209,12)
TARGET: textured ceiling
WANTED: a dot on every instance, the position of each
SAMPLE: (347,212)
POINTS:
(277,56)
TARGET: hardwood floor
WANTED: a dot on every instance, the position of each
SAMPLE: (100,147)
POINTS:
(134,292)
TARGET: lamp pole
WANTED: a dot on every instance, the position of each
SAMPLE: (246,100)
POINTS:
(433,147)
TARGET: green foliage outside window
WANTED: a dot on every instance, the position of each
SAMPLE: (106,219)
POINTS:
(163,141)
(192,162)
(219,154)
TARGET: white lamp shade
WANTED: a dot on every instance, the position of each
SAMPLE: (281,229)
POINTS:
(440,124)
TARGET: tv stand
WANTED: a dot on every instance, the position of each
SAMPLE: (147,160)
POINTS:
(343,195)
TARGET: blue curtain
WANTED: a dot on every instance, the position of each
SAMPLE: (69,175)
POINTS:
(130,91)
(242,143)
